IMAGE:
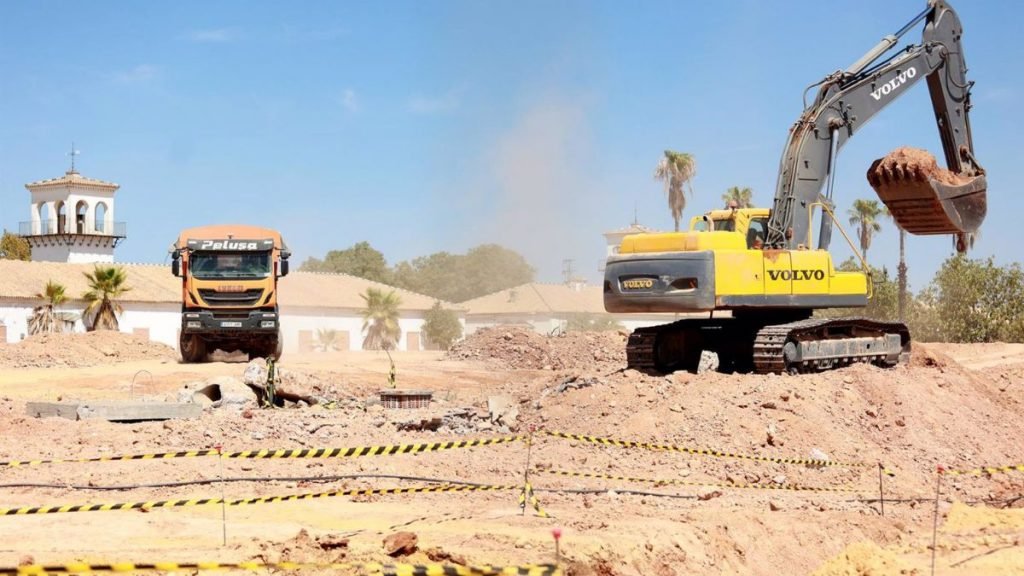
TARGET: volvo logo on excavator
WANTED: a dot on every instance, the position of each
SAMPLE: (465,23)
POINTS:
(638,284)
(899,80)
(796,275)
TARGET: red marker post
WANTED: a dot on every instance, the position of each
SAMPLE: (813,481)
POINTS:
(557,534)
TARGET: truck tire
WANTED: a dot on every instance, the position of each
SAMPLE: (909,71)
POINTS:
(192,348)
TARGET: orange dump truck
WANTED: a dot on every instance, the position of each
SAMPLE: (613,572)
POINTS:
(229,290)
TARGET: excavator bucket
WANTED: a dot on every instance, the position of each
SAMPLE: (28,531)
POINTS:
(926,199)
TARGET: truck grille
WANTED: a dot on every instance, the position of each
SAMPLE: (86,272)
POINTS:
(247,298)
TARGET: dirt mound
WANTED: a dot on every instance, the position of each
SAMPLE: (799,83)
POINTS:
(76,350)
(519,347)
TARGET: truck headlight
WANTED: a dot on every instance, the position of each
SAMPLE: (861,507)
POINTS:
(193,325)
(267,324)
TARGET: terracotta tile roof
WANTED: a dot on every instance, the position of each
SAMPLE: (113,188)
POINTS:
(153,283)
(536,298)
(70,177)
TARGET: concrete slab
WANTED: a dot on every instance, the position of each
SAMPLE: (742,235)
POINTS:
(115,411)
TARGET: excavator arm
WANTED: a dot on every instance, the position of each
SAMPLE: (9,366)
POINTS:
(848,99)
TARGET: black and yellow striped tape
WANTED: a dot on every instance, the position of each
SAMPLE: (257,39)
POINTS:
(703,451)
(527,495)
(60,509)
(353,452)
(748,485)
(987,470)
(370,569)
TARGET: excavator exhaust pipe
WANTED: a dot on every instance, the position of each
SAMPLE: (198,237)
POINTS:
(925,199)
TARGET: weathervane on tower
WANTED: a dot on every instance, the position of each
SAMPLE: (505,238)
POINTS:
(73,153)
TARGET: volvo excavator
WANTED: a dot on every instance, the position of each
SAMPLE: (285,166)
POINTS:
(761,265)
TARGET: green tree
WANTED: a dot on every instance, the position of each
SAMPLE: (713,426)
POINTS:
(586,322)
(864,215)
(977,301)
(901,269)
(441,326)
(14,247)
(360,260)
(743,196)
(380,319)
(485,269)
(45,318)
(105,284)
(676,171)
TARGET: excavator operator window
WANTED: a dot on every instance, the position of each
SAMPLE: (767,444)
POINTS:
(757,232)
(725,224)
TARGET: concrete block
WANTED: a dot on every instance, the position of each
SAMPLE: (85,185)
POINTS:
(115,411)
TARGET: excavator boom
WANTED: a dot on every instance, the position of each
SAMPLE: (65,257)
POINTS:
(923,198)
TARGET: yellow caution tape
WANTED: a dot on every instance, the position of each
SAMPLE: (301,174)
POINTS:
(813,462)
(527,495)
(372,569)
(987,471)
(353,452)
(248,501)
(750,485)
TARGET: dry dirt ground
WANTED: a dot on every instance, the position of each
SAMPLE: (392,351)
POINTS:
(958,406)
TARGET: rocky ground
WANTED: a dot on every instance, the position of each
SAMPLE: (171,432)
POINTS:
(956,406)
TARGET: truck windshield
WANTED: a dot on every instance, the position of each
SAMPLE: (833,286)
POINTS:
(212,265)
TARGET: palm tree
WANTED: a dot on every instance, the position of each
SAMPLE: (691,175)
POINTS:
(676,170)
(901,270)
(380,319)
(43,318)
(742,196)
(326,340)
(864,215)
(105,284)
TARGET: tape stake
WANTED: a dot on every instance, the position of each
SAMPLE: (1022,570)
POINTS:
(810,462)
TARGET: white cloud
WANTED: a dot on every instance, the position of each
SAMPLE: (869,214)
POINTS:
(212,35)
(447,102)
(140,73)
(349,100)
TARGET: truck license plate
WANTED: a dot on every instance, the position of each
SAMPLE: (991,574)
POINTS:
(230,324)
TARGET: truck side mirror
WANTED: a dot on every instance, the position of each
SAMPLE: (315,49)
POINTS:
(284,268)
(176,267)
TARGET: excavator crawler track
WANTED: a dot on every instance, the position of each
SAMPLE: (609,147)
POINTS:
(808,345)
(825,343)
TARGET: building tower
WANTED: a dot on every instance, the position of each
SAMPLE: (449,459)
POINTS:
(72,219)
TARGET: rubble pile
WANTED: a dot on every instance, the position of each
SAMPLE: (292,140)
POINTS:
(520,348)
(81,349)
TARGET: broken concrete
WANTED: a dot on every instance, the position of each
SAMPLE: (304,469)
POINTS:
(114,411)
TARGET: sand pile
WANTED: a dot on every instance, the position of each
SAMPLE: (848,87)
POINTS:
(76,350)
(519,347)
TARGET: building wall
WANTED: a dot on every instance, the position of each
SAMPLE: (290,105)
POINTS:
(545,324)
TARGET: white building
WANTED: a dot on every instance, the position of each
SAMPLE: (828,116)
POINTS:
(312,305)
(548,308)
(72,219)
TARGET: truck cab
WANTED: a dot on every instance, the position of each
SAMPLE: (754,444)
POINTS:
(229,290)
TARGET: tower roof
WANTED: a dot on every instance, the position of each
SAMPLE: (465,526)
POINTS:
(71,177)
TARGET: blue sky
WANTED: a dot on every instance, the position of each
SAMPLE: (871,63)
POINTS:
(426,126)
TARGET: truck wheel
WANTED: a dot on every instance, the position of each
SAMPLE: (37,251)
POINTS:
(192,348)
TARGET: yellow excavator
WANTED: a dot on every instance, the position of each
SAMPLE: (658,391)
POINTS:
(762,266)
